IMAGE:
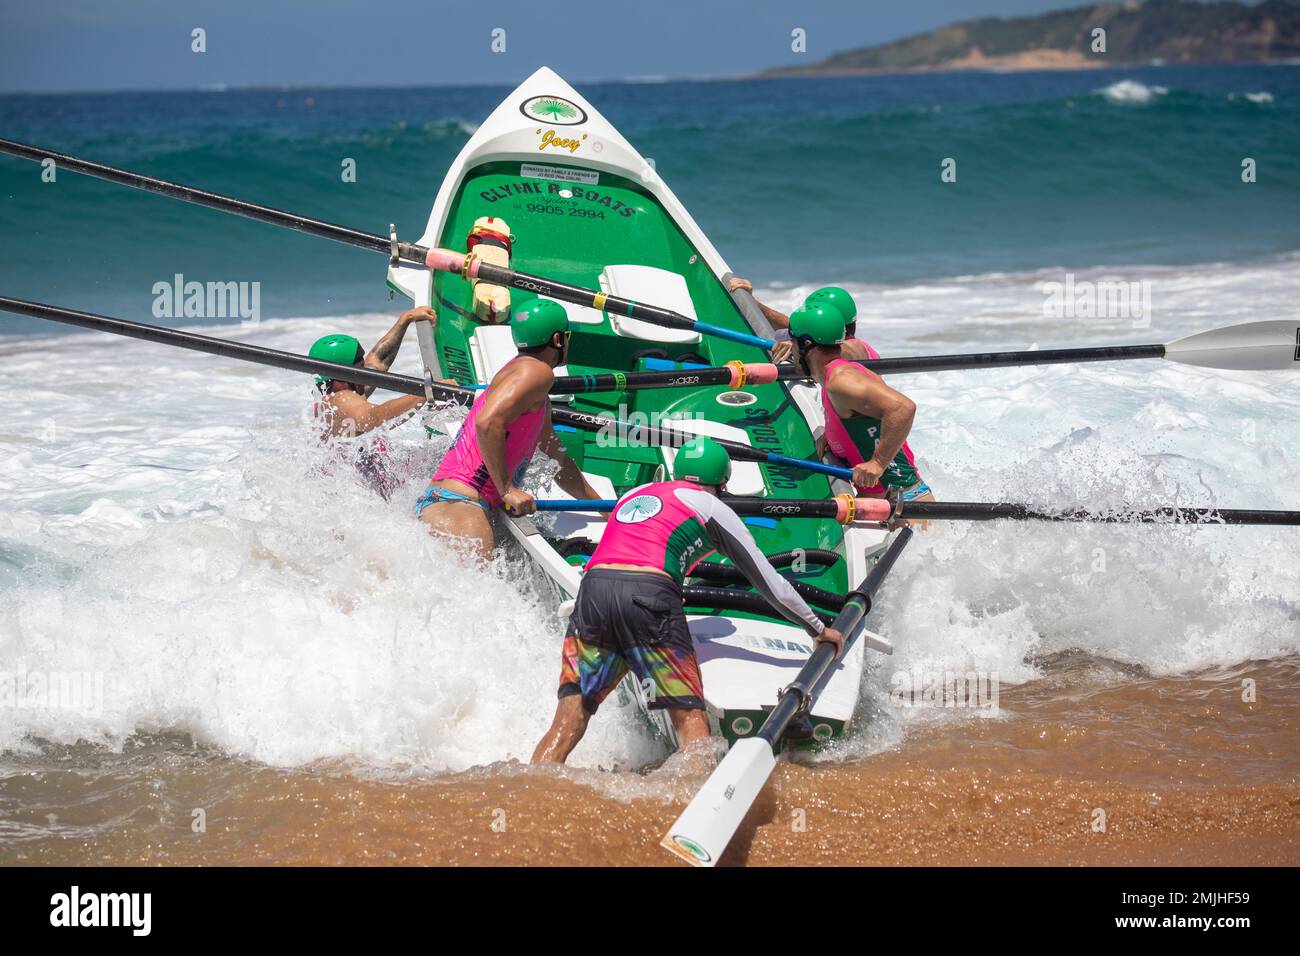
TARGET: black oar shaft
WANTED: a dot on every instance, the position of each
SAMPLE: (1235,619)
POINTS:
(201,197)
(857,604)
(993,510)
(602,302)
(617,430)
(940,363)
(616,382)
(248,353)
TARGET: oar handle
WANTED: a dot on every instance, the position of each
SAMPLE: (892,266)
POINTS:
(576,504)
(732,375)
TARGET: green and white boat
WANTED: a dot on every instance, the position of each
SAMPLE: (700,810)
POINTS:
(582,206)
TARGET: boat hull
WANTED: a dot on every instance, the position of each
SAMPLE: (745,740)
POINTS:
(583,207)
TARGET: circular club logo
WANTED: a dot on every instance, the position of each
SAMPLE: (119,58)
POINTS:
(693,848)
(555,110)
(638,509)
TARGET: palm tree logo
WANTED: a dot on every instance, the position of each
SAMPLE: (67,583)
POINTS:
(555,110)
(638,509)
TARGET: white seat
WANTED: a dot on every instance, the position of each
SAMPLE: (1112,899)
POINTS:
(648,284)
(746,479)
(492,348)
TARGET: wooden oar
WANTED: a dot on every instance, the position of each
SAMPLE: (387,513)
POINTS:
(443,260)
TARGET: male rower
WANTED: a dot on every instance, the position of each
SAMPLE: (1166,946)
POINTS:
(832,295)
(505,425)
(345,408)
(628,614)
(867,422)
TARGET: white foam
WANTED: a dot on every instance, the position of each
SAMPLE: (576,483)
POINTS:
(1132,92)
(166,521)
(1261,97)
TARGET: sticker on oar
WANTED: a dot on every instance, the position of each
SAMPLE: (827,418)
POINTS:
(687,849)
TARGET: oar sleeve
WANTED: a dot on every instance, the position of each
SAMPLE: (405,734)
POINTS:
(732,539)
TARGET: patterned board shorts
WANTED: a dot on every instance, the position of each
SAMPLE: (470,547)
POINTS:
(630,620)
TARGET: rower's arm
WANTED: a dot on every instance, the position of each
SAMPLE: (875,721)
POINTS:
(513,392)
(351,414)
(852,393)
(381,357)
(570,476)
(732,539)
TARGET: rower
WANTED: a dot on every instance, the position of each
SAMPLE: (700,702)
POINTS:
(505,426)
(832,295)
(628,613)
(345,407)
(867,422)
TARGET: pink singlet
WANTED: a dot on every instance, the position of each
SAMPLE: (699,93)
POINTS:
(855,439)
(464,460)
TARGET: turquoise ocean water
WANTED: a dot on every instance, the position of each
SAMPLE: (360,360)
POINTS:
(795,180)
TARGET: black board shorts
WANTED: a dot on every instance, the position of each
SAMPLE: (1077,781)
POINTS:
(630,620)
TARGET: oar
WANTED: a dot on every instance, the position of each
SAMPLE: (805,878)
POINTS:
(443,260)
(993,510)
(1253,346)
(847,509)
(617,429)
(710,820)
(471,267)
(276,358)
(843,508)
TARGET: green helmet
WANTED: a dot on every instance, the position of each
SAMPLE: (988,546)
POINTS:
(834,295)
(824,324)
(533,323)
(343,349)
(703,461)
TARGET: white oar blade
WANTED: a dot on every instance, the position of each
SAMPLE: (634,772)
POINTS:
(1253,346)
(709,821)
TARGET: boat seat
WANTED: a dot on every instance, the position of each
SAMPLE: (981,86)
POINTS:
(649,284)
(492,347)
(580,524)
(746,479)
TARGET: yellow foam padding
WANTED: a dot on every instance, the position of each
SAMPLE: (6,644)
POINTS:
(491,302)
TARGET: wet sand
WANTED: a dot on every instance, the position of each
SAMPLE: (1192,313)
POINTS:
(1185,771)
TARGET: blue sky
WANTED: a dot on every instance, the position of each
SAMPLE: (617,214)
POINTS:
(62,45)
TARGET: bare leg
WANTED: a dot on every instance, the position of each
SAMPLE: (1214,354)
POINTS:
(460,519)
(692,726)
(567,728)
